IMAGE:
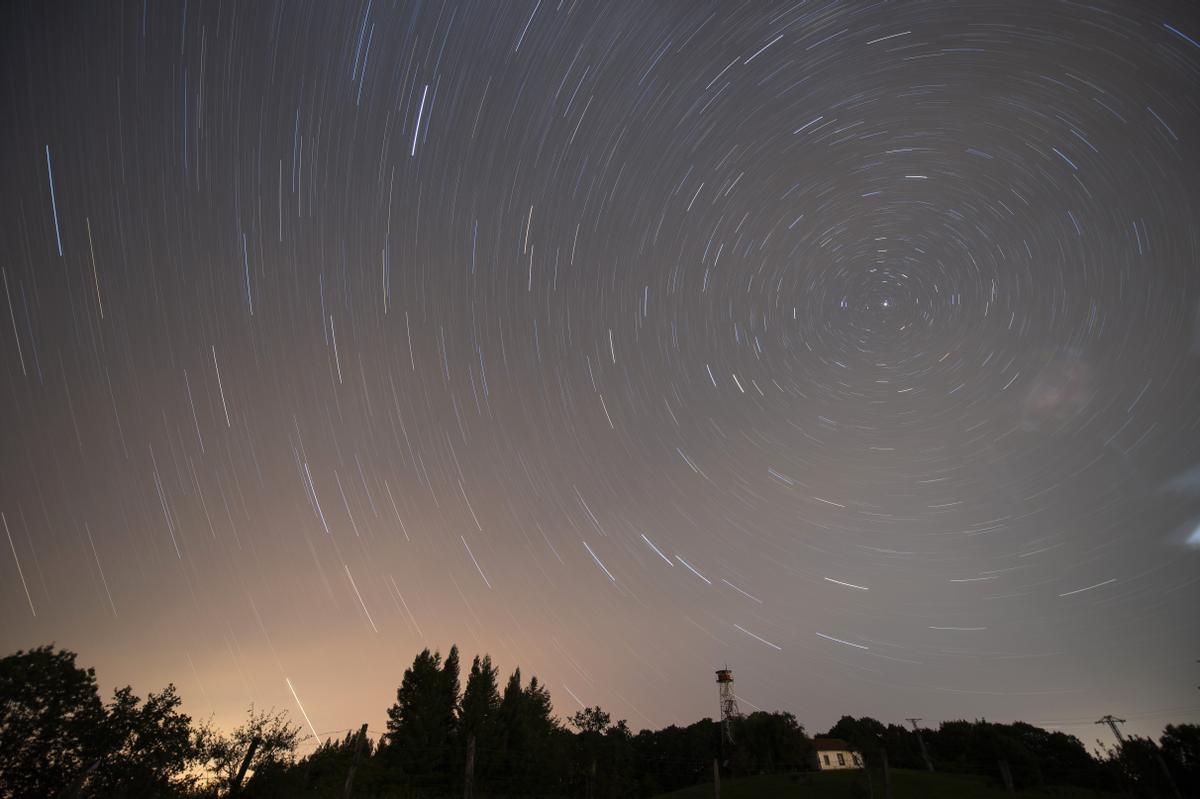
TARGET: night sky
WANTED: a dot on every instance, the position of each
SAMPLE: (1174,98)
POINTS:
(855,345)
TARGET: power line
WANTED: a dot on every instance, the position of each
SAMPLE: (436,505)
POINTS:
(1141,714)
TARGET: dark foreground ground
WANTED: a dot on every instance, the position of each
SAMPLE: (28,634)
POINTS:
(853,785)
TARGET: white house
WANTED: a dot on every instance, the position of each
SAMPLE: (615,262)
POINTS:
(834,754)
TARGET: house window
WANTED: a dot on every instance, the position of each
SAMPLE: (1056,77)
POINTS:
(841,759)
(826,759)
(857,760)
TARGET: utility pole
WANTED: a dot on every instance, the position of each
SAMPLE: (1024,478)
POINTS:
(241,772)
(921,741)
(1112,725)
(716,779)
(887,776)
(360,740)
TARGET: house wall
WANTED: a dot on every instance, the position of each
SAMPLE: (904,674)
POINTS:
(828,761)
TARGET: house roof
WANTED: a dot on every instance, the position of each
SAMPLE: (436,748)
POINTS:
(831,745)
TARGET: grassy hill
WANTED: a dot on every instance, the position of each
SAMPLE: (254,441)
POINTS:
(853,785)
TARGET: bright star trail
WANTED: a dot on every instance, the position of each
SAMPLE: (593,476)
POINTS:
(854,345)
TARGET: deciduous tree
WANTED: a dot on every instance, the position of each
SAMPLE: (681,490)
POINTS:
(51,720)
(150,748)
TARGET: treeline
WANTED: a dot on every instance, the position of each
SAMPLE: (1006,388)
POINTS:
(1034,757)
(447,737)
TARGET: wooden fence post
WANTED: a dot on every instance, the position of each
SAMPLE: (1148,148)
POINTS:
(1006,775)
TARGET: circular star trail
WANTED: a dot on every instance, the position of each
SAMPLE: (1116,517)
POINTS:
(854,345)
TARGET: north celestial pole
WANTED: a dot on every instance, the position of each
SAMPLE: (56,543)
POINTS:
(854,345)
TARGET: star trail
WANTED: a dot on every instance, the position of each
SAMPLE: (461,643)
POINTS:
(852,344)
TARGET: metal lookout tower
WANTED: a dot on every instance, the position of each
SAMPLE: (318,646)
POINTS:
(729,705)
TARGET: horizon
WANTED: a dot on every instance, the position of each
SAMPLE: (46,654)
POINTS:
(855,346)
(1139,724)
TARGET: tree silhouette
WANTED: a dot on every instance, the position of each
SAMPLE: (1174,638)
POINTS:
(477,718)
(977,748)
(1138,761)
(769,742)
(421,722)
(1181,750)
(481,699)
(589,745)
(527,738)
(149,748)
(1062,759)
(50,722)
(58,739)
(603,755)
(277,740)
(590,721)
(865,735)
(674,757)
